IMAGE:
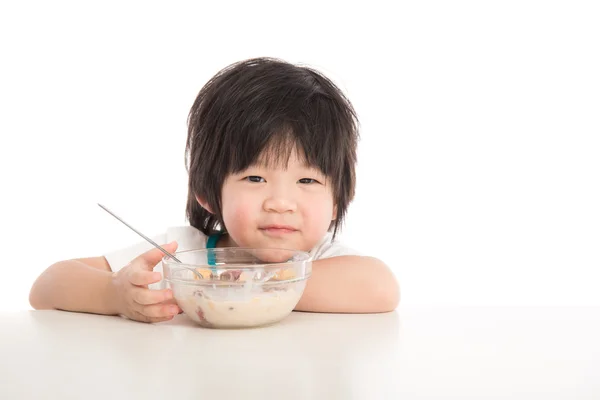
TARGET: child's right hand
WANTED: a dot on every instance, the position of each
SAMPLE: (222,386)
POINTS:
(135,300)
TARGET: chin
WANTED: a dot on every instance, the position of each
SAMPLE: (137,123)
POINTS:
(261,241)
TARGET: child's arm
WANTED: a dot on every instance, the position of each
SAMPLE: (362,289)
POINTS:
(350,284)
(84,285)
(89,285)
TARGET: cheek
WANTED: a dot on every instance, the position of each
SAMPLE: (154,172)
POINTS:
(319,212)
(237,212)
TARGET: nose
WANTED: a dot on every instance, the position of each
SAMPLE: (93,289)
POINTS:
(280,202)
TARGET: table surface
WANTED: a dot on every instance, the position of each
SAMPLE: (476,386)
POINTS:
(412,353)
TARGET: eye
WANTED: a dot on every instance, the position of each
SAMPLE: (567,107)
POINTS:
(308,181)
(255,179)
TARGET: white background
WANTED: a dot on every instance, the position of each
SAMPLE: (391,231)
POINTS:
(479,169)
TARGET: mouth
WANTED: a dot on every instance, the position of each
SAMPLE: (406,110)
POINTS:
(278,230)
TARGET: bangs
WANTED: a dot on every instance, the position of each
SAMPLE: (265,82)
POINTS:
(312,132)
(273,153)
(277,152)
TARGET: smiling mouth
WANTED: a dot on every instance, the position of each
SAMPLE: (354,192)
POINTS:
(278,230)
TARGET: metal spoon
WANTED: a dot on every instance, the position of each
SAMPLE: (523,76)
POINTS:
(141,234)
(150,241)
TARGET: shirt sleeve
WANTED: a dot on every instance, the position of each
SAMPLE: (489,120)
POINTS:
(328,248)
(117,259)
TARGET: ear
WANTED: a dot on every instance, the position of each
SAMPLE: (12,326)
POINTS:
(204,204)
(334,213)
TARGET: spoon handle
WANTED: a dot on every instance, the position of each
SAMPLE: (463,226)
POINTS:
(141,234)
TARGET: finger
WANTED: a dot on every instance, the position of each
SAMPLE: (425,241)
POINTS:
(159,310)
(173,301)
(149,259)
(146,296)
(143,318)
(170,301)
(139,277)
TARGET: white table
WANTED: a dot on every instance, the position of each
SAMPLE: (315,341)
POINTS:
(413,353)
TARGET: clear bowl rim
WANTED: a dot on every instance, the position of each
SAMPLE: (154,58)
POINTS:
(225,284)
(305,257)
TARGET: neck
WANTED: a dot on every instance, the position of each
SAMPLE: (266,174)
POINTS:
(226,241)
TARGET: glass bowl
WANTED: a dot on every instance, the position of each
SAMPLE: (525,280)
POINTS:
(237,287)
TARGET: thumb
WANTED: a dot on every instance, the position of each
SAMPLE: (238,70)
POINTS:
(153,256)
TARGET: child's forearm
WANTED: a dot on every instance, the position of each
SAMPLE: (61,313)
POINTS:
(75,286)
(350,284)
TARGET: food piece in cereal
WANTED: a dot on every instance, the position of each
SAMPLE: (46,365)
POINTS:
(230,276)
(206,273)
(284,274)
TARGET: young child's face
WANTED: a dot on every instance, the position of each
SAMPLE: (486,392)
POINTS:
(276,207)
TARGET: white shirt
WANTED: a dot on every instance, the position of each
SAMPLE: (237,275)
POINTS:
(190,238)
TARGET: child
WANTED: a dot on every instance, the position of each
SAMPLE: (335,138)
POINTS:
(271,152)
